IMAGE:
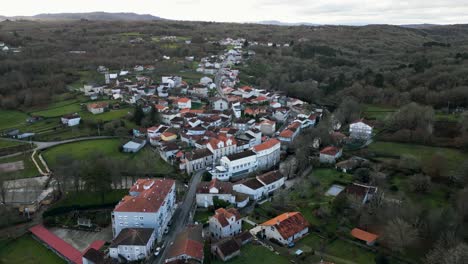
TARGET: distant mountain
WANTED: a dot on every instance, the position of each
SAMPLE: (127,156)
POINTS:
(103,16)
(279,23)
(419,26)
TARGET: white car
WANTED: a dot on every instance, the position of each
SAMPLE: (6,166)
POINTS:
(157,251)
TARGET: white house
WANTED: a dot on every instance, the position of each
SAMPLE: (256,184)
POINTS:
(97,108)
(207,192)
(184,103)
(206,80)
(220,104)
(150,204)
(198,159)
(330,154)
(285,228)
(260,186)
(133,244)
(71,120)
(221,146)
(360,130)
(225,223)
(235,165)
(268,153)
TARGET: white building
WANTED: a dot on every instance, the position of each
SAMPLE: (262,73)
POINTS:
(235,165)
(150,204)
(132,244)
(285,228)
(225,223)
(207,192)
(134,145)
(330,154)
(97,108)
(360,130)
(220,104)
(268,153)
(221,146)
(184,103)
(71,120)
(198,159)
(261,186)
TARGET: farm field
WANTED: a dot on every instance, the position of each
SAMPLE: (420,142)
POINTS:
(423,153)
(29,170)
(84,150)
(27,250)
(11,119)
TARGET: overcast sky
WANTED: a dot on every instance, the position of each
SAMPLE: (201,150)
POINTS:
(312,11)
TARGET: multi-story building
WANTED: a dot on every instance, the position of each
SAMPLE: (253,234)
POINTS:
(260,186)
(268,153)
(208,192)
(150,204)
(221,146)
(235,165)
(198,159)
(225,223)
(360,130)
(330,154)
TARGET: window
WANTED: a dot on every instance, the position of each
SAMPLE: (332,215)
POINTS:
(141,217)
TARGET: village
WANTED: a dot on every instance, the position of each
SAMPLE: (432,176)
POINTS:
(231,139)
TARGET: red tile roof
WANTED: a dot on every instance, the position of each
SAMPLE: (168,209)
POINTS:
(286,133)
(222,215)
(59,245)
(183,100)
(288,224)
(151,195)
(363,235)
(330,150)
(189,243)
(266,145)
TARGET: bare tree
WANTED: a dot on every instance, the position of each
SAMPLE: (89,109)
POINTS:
(399,234)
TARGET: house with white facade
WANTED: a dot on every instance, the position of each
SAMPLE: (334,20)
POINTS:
(261,186)
(268,153)
(220,104)
(198,159)
(330,154)
(71,120)
(97,108)
(360,130)
(267,127)
(235,165)
(225,223)
(132,244)
(285,228)
(134,145)
(221,146)
(207,192)
(150,204)
(184,103)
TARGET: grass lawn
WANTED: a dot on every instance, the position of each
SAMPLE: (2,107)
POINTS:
(29,170)
(83,150)
(85,198)
(349,251)
(255,254)
(7,144)
(59,109)
(423,153)
(106,116)
(202,216)
(11,119)
(27,250)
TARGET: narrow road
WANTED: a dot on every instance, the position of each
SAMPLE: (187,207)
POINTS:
(181,216)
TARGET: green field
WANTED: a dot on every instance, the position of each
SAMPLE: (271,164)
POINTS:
(11,119)
(202,216)
(29,170)
(27,250)
(84,150)
(423,153)
(255,254)
(380,113)
(6,143)
(60,109)
(106,116)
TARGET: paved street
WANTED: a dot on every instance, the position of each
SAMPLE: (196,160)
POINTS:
(181,216)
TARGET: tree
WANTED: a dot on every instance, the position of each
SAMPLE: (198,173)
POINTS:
(461,175)
(448,250)
(97,177)
(436,166)
(138,115)
(420,183)
(348,111)
(399,234)
(362,175)
(412,116)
